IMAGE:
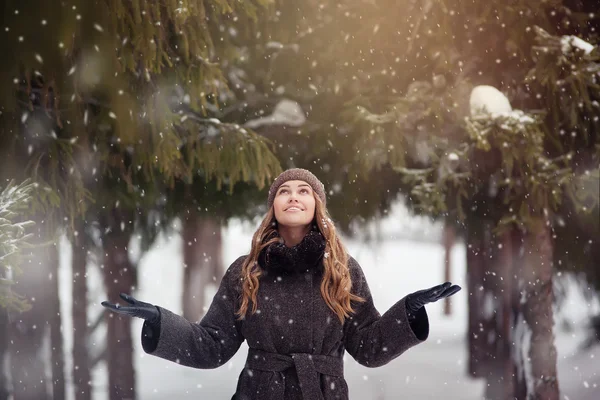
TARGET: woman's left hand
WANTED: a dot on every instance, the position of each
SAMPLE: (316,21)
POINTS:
(417,300)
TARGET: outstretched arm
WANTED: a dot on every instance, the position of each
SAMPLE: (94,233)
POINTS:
(207,344)
(375,340)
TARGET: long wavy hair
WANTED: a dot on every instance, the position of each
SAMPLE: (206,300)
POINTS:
(336,282)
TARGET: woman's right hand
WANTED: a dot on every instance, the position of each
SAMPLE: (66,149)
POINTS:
(137,309)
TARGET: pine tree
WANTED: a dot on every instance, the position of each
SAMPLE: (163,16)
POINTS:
(514,169)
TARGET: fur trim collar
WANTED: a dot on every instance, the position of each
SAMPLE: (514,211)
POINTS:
(304,256)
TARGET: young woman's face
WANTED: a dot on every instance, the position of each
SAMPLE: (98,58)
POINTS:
(294,204)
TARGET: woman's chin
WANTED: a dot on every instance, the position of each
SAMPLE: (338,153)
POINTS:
(294,223)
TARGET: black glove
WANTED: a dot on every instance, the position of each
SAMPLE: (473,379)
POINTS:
(138,309)
(415,301)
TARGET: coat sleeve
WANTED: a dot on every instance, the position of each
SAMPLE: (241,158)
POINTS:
(372,339)
(207,344)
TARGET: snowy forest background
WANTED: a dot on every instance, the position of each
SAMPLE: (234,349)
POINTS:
(457,140)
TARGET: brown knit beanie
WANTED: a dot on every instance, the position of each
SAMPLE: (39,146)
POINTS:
(297,174)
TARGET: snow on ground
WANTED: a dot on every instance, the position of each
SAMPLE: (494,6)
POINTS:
(435,369)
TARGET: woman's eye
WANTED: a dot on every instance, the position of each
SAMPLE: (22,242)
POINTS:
(283,191)
(304,191)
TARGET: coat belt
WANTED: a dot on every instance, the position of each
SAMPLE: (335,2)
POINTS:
(308,367)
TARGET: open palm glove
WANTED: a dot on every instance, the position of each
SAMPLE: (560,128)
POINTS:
(415,301)
(135,308)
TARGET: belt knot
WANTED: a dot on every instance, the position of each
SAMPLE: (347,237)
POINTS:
(308,367)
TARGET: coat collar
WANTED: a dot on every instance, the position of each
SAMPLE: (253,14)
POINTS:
(304,256)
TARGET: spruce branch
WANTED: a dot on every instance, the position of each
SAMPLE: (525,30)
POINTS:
(14,238)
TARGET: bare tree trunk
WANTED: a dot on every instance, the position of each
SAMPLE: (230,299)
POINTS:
(498,278)
(203,261)
(56,336)
(449,237)
(28,360)
(81,359)
(475,270)
(518,337)
(493,314)
(507,293)
(536,283)
(119,277)
(3,353)
(492,290)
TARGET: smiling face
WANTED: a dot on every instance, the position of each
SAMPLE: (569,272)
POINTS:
(294,204)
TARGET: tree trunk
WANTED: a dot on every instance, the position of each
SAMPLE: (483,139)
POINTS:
(519,384)
(475,270)
(28,357)
(498,278)
(203,261)
(492,313)
(536,285)
(56,336)
(81,359)
(507,293)
(3,353)
(119,277)
(449,236)
(490,272)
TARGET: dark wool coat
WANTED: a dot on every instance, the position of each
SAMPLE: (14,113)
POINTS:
(296,343)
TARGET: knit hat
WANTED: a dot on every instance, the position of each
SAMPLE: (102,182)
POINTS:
(297,174)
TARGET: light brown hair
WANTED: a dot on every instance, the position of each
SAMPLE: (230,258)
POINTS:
(336,283)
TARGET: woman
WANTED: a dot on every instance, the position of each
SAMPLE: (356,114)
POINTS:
(299,301)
